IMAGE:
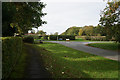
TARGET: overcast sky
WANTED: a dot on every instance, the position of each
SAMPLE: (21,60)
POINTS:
(62,14)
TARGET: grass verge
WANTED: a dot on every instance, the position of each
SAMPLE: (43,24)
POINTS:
(108,46)
(19,70)
(64,62)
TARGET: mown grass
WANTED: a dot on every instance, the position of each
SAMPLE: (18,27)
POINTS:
(80,39)
(19,70)
(108,46)
(64,62)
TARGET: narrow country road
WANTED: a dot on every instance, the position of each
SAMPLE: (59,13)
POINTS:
(35,68)
(92,50)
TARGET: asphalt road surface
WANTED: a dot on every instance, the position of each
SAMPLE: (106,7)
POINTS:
(92,50)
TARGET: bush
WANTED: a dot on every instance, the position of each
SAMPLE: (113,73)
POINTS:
(78,37)
(64,37)
(87,38)
(28,39)
(34,36)
(46,37)
(11,51)
(53,37)
(96,38)
(40,37)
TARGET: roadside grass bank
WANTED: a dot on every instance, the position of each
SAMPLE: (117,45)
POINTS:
(19,70)
(65,62)
(108,46)
(84,40)
(80,39)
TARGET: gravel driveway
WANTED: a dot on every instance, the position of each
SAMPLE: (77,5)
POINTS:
(92,50)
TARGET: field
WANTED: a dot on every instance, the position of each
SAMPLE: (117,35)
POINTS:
(64,62)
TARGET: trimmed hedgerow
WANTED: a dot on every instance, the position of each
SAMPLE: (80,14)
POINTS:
(64,37)
(96,38)
(53,37)
(46,37)
(34,36)
(28,39)
(11,51)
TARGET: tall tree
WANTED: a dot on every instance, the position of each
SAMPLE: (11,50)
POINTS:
(99,30)
(110,19)
(71,31)
(8,11)
(88,30)
(80,32)
(41,32)
(23,16)
(33,31)
(56,33)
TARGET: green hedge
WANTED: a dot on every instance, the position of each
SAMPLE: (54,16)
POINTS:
(34,36)
(46,37)
(11,51)
(64,37)
(53,37)
(28,39)
(96,38)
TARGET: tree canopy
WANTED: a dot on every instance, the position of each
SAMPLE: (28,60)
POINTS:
(85,31)
(110,20)
(88,30)
(56,33)
(71,31)
(19,17)
(41,32)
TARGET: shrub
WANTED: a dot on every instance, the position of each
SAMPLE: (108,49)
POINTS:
(53,37)
(78,37)
(40,37)
(64,37)
(96,38)
(28,39)
(46,37)
(34,36)
(11,51)
(87,38)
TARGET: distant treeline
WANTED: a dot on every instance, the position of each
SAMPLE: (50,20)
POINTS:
(85,31)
